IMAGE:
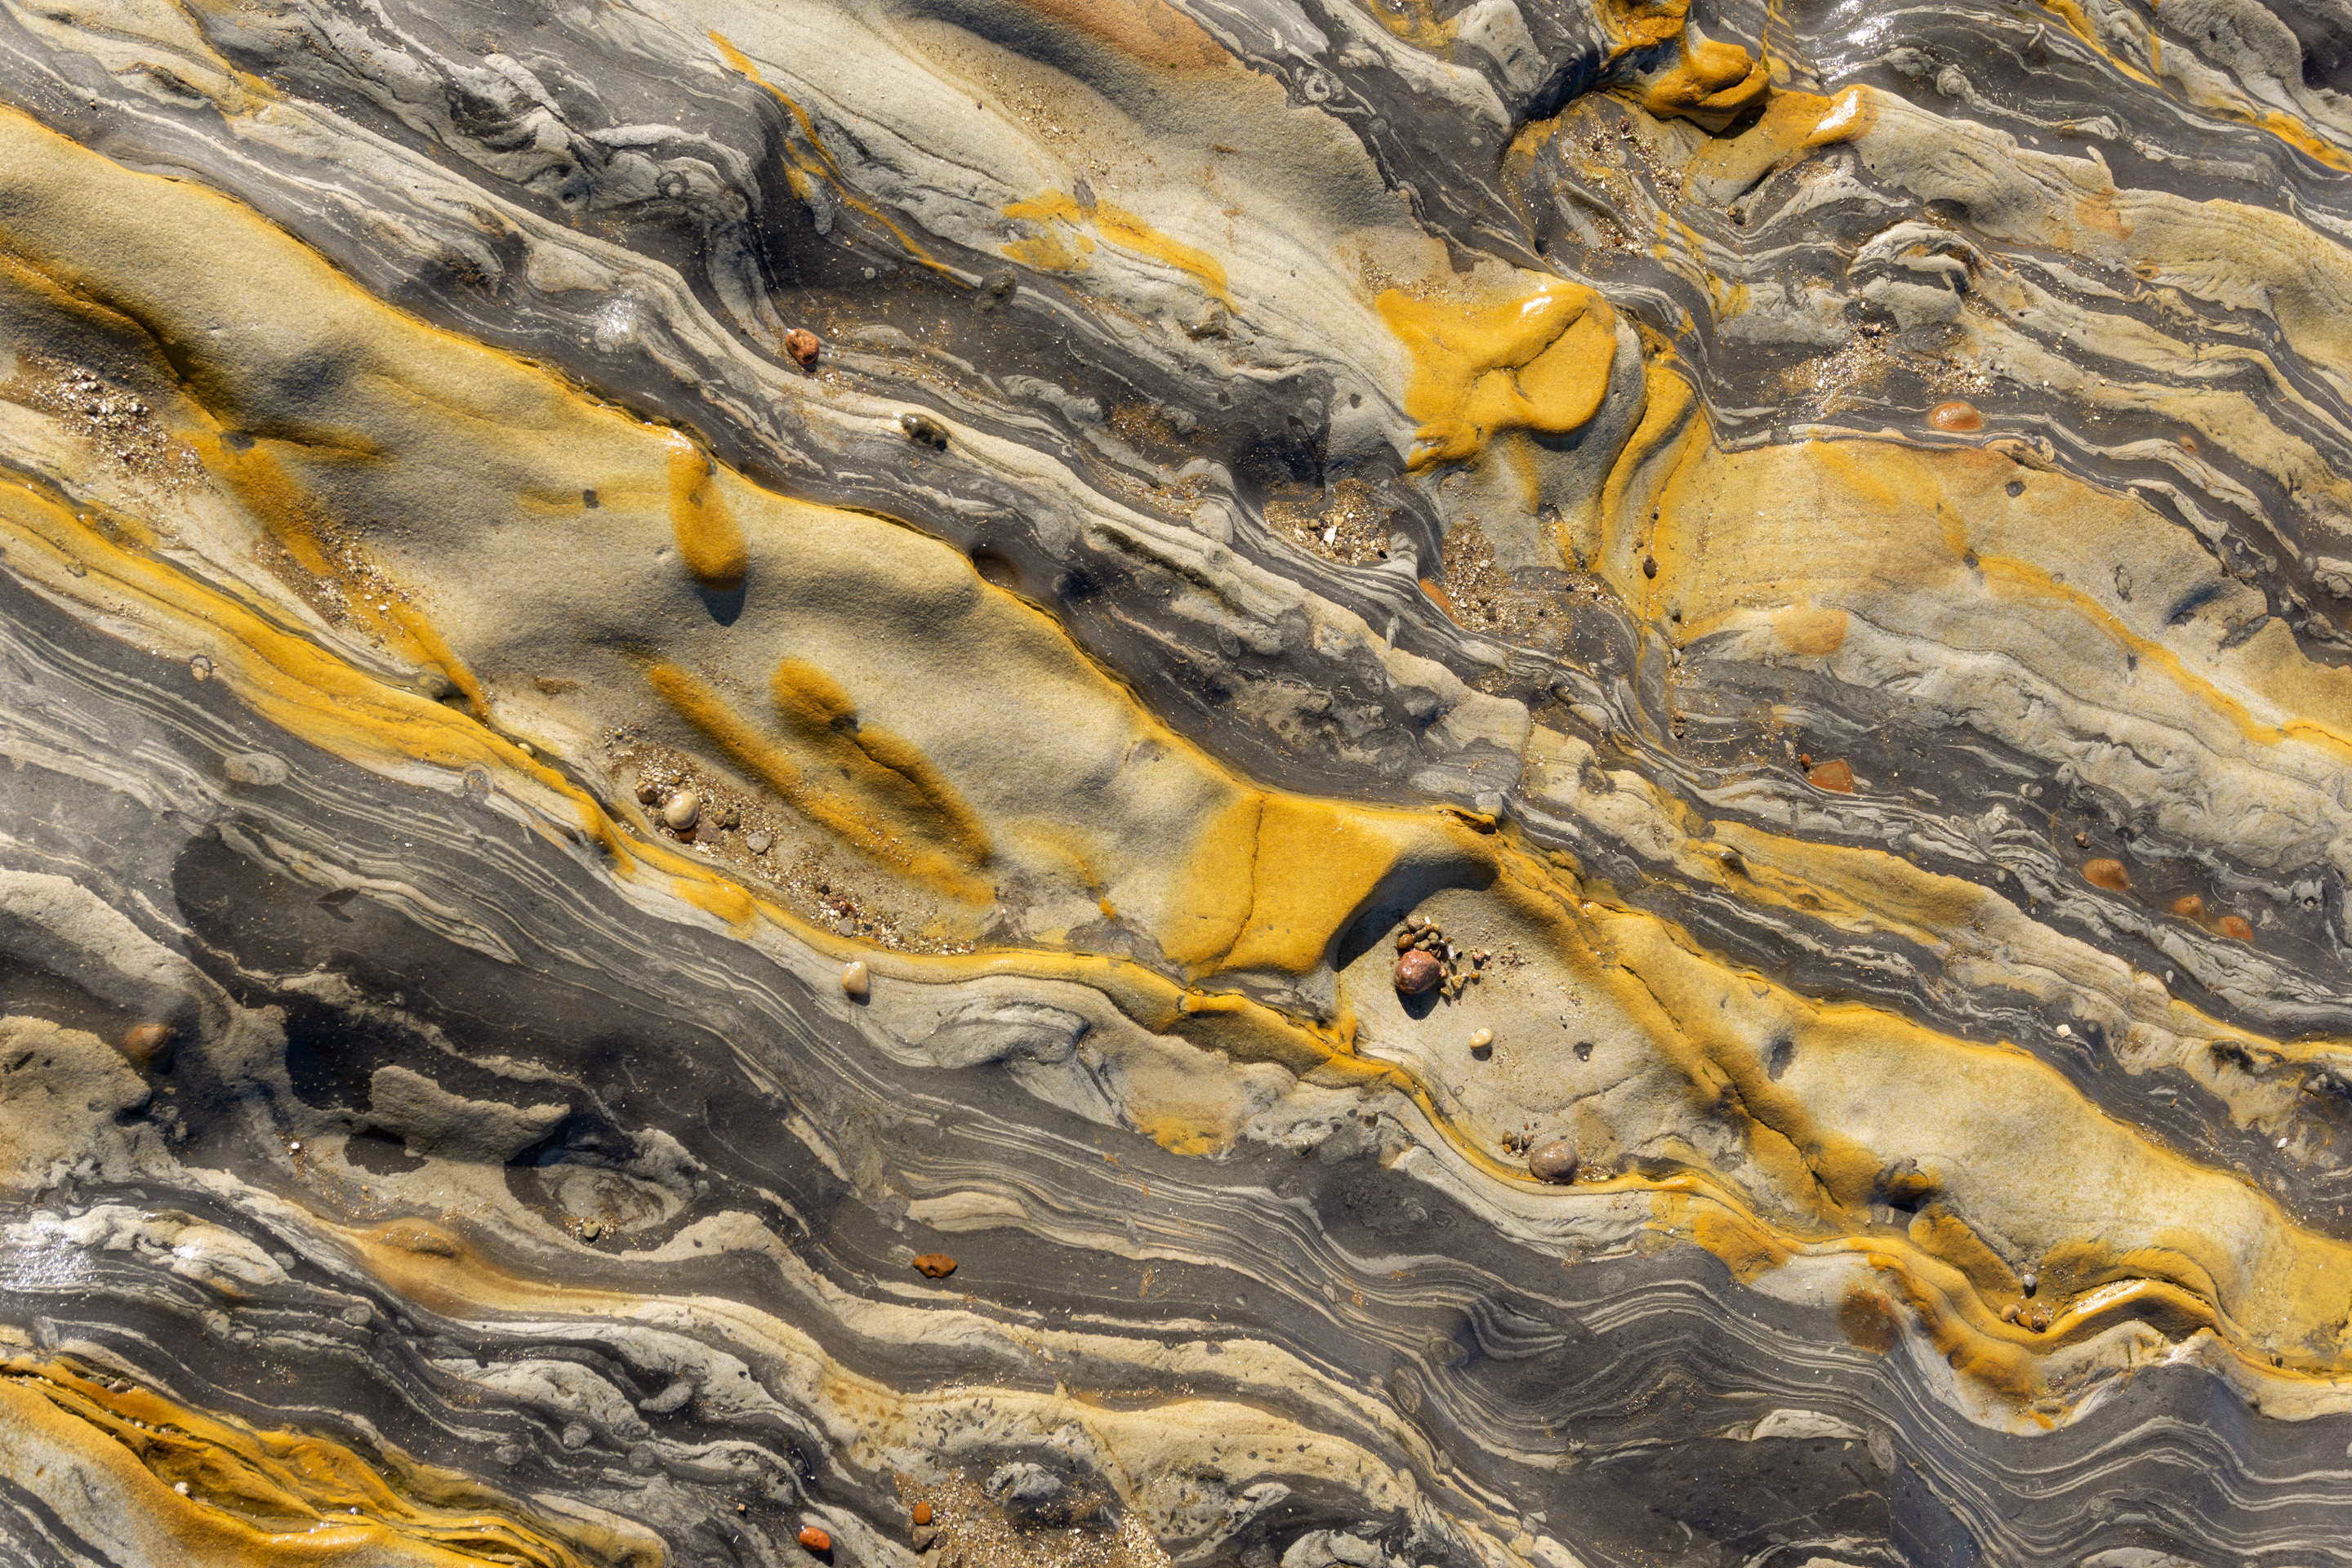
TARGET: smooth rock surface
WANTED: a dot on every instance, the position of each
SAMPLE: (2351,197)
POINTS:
(544,551)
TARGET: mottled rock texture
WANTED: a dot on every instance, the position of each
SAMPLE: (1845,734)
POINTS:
(1071,782)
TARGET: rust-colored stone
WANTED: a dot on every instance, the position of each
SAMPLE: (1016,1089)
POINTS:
(2107,873)
(1416,972)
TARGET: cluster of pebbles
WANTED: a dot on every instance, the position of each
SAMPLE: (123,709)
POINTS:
(679,807)
(2031,1315)
(1427,961)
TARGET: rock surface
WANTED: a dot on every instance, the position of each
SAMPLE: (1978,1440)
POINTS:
(1803,555)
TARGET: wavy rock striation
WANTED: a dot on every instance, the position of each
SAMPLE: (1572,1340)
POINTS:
(721,723)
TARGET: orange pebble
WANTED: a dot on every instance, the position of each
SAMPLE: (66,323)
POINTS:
(146,1042)
(2234,926)
(1960,417)
(2109,874)
(803,345)
(935,1265)
(2190,906)
(1835,775)
(923,1514)
(815,1540)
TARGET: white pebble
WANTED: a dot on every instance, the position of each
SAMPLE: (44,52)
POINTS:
(2065,1032)
(684,807)
(855,978)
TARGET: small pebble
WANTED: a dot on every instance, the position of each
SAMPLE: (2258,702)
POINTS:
(1416,972)
(815,1540)
(757,843)
(2107,873)
(2029,1283)
(683,809)
(923,430)
(1482,1039)
(995,289)
(2009,1313)
(2234,926)
(935,1266)
(1649,565)
(730,815)
(921,1537)
(145,1042)
(923,1514)
(1836,775)
(201,668)
(647,794)
(1416,923)
(855,977)
(1956,416)
(1552,1161)
(803,345)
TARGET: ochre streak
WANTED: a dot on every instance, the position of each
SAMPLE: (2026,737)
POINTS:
(709,540)
(190,1487)
(700,705)
(1119,228)
(885,765)
(1539,361)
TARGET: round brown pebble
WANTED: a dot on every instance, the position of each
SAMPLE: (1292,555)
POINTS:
(934,1266)
(1552,1161)
(802,344)
(682,810)
(1960,417)
(1416,972)
(145,1042)
(855,978)
(815,1540)
(923,1514)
